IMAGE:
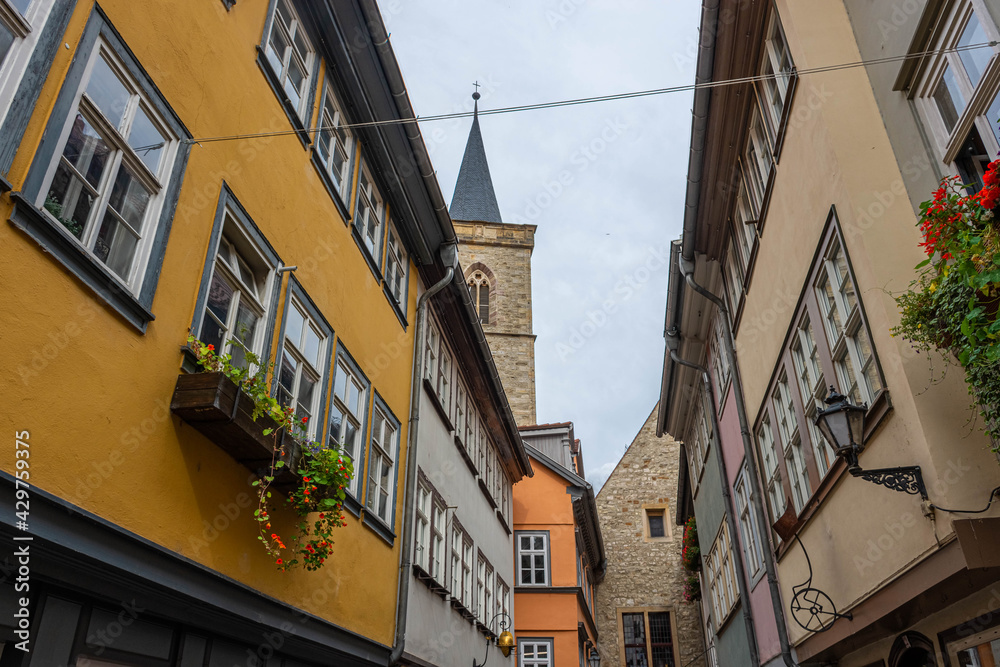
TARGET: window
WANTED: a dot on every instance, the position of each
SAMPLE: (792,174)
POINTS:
(777,70)
(720,360)
(812,388)
(648,634)
(381,490)
(757,158)
(533,559)
(369,215)
(334,144)
(847,335)
(482,448)
(456,560)
(461,404)
(301,369)
(505,498)
(348,413)
(788,431)
(431,353)
(471,419)
(748,525)
(395,268)
(721,574)
(828,343)
(21,22)
(423,527)
(480,586)
(437,539)
(699,443)
(479,288)
(734,277)
(772,474)
(534,653)
(503,597)
(957,98)
(467,564)
(444,379)
(490,593)
(107,184)
(980,650)
(290,54)
(235,309)
(656,526)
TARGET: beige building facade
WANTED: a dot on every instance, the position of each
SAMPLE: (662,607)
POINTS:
(640,601)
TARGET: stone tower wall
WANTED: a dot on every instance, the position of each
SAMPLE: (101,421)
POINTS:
(504,252)
(644,573)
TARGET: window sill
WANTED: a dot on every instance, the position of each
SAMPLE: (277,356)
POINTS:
(429,388)
(5,185)
(429,581)
(395,305)
(67,251)
(330,187)
(366,253)
(286,104)
(503,522)
(486,492)
(352,505)
(876,414)
(379,527)
(462,610)
(465,456)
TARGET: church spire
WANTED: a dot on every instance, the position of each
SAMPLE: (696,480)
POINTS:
(474,198)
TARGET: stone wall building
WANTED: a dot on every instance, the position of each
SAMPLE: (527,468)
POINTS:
(644,583)
(496,261)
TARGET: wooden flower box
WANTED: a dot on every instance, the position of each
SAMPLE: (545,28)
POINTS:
(222,412)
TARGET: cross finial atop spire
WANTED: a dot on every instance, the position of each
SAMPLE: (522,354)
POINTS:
(476,94)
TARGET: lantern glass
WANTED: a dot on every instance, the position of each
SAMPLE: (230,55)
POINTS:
(595,658)
(505,642)
(834,424)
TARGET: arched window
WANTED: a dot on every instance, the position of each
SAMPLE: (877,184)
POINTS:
(479,287)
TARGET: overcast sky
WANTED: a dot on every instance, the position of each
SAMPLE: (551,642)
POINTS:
(604,182)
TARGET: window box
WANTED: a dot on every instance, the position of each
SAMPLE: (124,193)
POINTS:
(219,410)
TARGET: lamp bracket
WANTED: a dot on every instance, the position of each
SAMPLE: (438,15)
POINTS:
(905,479)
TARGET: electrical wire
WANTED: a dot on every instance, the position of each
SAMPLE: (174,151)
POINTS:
(993,494)
(600,98)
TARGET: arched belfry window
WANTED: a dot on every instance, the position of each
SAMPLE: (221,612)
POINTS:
(479,287)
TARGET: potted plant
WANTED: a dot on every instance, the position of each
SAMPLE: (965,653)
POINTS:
(691,560)
(952,305)
(312,476)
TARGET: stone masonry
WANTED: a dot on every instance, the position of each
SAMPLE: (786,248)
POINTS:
(644,572)
(503,252)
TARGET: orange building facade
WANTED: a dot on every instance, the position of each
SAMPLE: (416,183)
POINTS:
(558,552)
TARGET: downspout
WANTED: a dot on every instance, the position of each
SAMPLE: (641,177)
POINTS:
(687,269)
(449,257)
(672,337)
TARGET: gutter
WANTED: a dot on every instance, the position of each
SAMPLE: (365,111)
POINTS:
(673,342)
(449,257)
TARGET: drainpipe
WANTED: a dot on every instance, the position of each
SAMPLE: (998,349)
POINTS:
(449,257)
(673,340)
(687,269)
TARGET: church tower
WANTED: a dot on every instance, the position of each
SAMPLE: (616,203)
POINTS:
(496,261)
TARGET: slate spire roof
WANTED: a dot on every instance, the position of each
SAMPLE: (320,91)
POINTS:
(474,198)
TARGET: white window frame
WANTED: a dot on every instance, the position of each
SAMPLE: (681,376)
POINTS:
(348,376)
(280,63)
(25,29)
(457,539)
(461,408)
(304,368)
(978,96)
(722,574)
(396,267)
(443,381)
(370,214)
(533,552)
(772,471)
(120,156)
(422,532)
(791,442)
(753,553)
(480,586)
(535,646)
(329,124)
(233,259)
(468,564)
(720,360)
(772,65)
(812,389)
(431,352)
(382,456)
(439,513)
(477,282)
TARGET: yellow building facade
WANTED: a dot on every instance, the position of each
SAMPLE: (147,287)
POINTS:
(202,171)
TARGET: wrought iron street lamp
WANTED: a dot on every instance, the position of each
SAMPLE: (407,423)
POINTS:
(843,426)
(595,656)
(504,641)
